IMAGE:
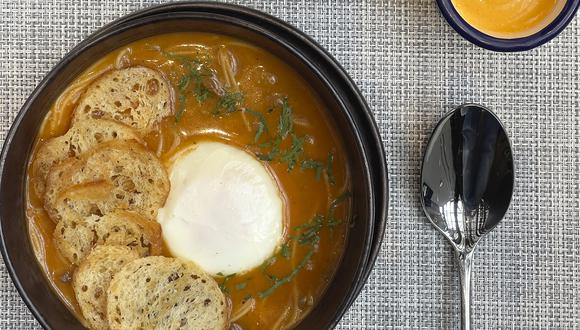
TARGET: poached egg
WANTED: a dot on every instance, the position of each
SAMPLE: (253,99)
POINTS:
(224,210)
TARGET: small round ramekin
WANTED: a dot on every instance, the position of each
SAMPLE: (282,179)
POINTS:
(508,45)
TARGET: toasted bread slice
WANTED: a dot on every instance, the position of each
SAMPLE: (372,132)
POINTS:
(75,236)
(136,179)
(138,97)
(92,278)
(81,137)
(165,293)
(85,199)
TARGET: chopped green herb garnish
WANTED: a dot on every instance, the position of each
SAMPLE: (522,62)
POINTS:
(341,198)
(183,82)
(268,262)
(180,108)
(279,282)
(331,221)
(225,281)
(310,235)
(275,144)
(247,297)
(310,224)
(241,286)
(285,251)
(195,71)
(198,71)
(272,143)
(266,157)
(316,165)
(329,169)
(262,125)
(228,103)
(292,155)
(285,123)
(201,92)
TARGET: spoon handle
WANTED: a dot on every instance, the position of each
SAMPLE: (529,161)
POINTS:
(464,262)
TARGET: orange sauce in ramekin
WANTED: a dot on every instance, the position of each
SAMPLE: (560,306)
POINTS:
(509,19)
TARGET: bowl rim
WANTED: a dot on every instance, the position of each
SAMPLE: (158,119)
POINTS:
(489,42)
(378,181)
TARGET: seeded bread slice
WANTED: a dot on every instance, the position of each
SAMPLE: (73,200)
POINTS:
(92,278)
(85,199)
(138,97)
(76,236)
(136,179)
(165,293)
(81,137)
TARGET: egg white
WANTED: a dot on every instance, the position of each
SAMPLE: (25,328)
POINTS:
(224,210)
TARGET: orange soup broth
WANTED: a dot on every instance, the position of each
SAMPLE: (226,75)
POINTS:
(264,79)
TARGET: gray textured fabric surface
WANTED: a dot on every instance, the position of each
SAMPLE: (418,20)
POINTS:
(411,66)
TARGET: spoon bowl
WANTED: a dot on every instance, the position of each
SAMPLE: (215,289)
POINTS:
(467,180)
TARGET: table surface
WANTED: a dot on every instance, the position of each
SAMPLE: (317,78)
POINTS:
(411,67)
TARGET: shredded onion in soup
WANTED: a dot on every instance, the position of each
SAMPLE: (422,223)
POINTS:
(123,60)
(69,97)
(245,309)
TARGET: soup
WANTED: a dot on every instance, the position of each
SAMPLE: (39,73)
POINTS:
(509,18)
(230,94)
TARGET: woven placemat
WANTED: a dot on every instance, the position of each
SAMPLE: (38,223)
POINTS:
(412,67)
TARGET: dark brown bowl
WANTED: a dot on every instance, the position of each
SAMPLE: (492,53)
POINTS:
(347,107)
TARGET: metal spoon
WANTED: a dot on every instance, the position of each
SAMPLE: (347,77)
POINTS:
(467,181)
